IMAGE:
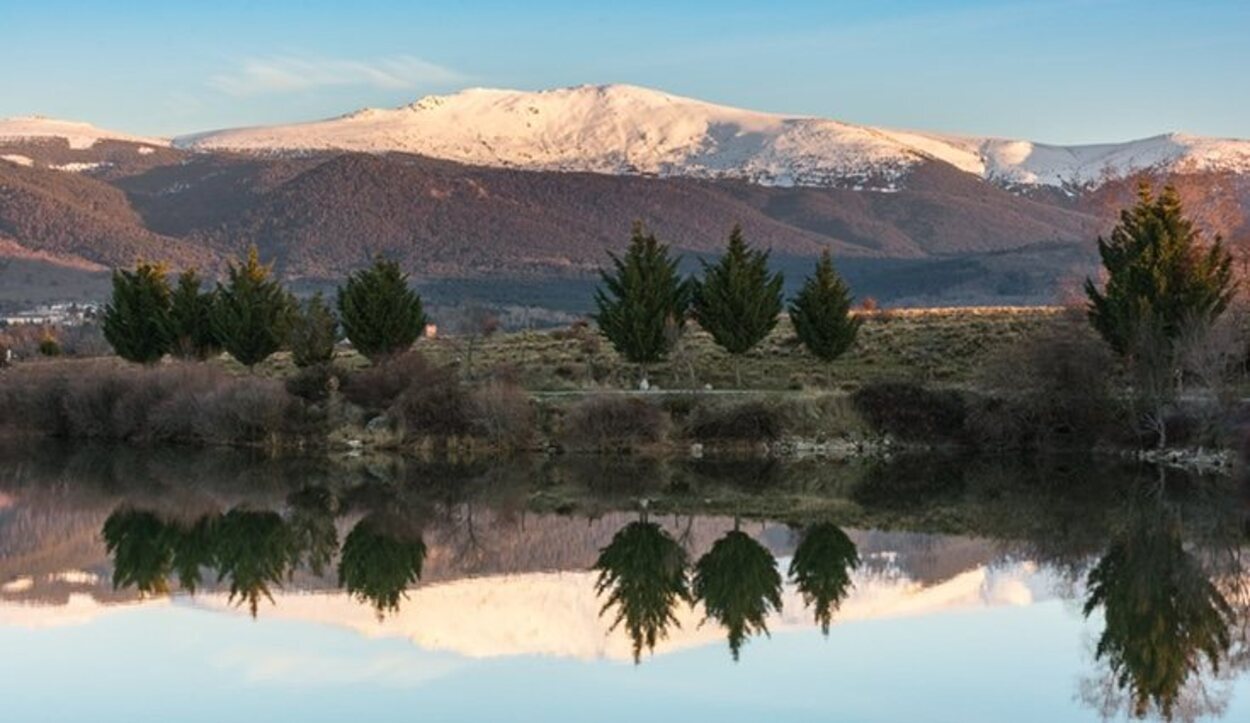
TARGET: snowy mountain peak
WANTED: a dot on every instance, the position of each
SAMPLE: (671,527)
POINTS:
(78,135)
(625,129)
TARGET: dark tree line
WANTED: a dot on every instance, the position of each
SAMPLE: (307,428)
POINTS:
(643,302)
(644,574)
(251,315)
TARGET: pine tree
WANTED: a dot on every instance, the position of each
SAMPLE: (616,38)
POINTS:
(821,313)
(381,315)
(738,300)
(1160,276)
(191,319)
(252,312)
(136,320)
(643,301)
(314,331)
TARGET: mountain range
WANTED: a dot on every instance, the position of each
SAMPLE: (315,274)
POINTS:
(485,189)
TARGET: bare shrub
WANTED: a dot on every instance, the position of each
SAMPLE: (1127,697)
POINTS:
(315,383)
(614,422)
(250,409)
(912,412)
(503,415)
(377,387)
(182,403)
(436,406)
(752,420)
(1054,387)
(84,340)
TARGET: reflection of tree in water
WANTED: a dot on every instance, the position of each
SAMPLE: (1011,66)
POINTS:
(256,550)
(313,511)
(821,569)
(140,546)
(1165,619)
(643,572)
(193,550)
(738,583)
(381,557)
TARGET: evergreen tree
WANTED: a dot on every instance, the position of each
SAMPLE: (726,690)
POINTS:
(380,313)
(1160,276)
(191,319)
(643,301)
(314,331)
(738,301)
(252,312)
(136,320)
(821,313)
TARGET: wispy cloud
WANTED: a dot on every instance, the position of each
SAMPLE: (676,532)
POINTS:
(289,74)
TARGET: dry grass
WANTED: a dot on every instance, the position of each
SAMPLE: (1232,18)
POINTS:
(942,346)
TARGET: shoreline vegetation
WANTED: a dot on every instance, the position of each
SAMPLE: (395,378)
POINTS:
(1153,366)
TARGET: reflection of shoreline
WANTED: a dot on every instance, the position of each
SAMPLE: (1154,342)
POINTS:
(557,614)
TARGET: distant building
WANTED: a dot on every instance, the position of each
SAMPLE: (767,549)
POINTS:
(430,331)
(67,314)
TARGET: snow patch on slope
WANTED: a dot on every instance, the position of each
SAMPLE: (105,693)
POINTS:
(620,129)
(1024,163)
(79,136)
(615,129)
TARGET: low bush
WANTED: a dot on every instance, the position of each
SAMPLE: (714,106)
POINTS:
(503,414)
(181,403)
(379,386)
(315,383)
(1053,388)
(913,412)
(617,422)
(439,410)
(752,420)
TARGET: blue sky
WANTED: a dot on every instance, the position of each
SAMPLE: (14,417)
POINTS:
(1051,70)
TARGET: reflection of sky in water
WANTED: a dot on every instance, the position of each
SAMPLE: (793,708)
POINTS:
(992,644)
(154,662)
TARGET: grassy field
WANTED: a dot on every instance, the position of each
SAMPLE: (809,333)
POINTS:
(935,346)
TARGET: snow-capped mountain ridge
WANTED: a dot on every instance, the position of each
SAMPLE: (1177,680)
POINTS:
(78,135)
(621,129)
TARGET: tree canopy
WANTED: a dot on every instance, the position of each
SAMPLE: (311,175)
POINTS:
(252,312)
(821,313)
(738,301)
(381,315)
(137,318)
(1160,275)
(642,300)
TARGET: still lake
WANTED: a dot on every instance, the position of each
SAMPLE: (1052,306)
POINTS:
(206,586)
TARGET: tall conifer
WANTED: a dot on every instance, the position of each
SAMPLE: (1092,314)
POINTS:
(314,331)
(252,312)
(821,314)
(738,300)
(1160,276)
(136,319)
(191,319)
(381,315)
(642,300)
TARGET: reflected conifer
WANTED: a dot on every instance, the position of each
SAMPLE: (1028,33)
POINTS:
(139,544)
(1164,617)
(255,551)
(381,557)
(821,568)
(643,572)
(738,583)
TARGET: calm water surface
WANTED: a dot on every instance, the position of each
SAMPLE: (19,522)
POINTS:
(205,587)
